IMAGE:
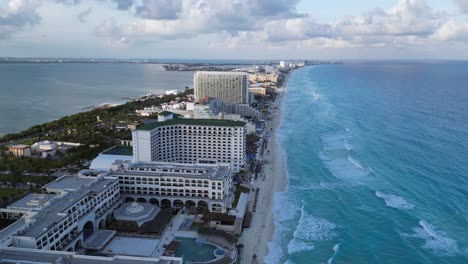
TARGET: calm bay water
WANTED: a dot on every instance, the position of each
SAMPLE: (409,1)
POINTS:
(377,161)
(32,94)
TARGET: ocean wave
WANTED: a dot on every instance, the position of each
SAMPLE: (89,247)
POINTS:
(355,162)
(336,248)
(344,169)
(394,201)
(348,145)
(320,186)
(334,141)
(284,210)
(309,229)
(296,246)
(434,240)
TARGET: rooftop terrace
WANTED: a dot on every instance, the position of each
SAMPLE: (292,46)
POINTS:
(218,171)
(193,122)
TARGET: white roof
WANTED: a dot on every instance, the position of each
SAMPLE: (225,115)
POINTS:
(104,161)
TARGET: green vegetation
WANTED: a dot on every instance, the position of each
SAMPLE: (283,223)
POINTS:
(96,134)
(14,180)
(85,128)
(11,194)
(17,165)
(239,189)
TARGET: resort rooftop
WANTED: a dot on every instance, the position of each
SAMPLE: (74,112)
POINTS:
(32,201)
(24,255)
(205,171)
(56,211)
(192,122)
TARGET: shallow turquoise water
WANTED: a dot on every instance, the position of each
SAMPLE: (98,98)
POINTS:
(191,251)
(377,165)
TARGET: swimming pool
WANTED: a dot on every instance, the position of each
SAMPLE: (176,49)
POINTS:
(193,251)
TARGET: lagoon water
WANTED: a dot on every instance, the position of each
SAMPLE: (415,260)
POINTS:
(377,162)
(32,94)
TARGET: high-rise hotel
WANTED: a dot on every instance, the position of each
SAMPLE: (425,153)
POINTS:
(231,87)
(181,140)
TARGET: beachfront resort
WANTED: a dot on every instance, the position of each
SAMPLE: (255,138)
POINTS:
(194,185)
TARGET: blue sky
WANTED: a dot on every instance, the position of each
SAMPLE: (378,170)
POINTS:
(236,29)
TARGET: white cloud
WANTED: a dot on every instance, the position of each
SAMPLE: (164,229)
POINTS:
(159,9)
(463,4)
(409,22)
(190,18)
(17,15)
(451,31)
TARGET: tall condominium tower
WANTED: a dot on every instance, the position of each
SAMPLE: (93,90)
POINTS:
(231,87)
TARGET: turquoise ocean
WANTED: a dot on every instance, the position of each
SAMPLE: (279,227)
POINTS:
(377,164)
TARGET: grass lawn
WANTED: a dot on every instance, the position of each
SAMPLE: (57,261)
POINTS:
(12,192)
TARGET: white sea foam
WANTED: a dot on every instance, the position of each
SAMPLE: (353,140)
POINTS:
(348,145)
(284,210)
(434,240)
(336,248)
(395,201)
(309,229)
(297,245)
(355,162)
(344,169)
(334,141)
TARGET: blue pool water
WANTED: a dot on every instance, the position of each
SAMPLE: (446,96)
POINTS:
(377,162)
(193,251)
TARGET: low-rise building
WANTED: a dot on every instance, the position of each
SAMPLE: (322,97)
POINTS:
(20,150)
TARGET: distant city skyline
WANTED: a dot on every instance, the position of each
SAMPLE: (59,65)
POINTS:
(235,29)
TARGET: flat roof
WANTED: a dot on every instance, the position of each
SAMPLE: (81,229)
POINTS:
(33,200)
(221,73)
(19,146)
(132,246)
(22,255)
(99,239)
(203,171)
(48,216)
(69,183)
(193,122)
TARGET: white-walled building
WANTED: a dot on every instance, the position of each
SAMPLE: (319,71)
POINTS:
(20,150)
(74,209)
(181,140)
(175,184)
(231,87)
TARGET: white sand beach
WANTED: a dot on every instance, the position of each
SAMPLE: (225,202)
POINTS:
(255,239)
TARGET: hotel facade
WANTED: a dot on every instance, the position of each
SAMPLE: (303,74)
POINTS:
(176,185)
(231,87)
(72,209)
(202,141)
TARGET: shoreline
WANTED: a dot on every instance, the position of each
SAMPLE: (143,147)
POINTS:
(256,238)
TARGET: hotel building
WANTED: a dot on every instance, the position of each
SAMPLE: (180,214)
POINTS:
(72,210)
(231,87)
(176,185)
(181,140)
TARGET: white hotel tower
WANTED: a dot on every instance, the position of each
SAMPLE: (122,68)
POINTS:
(231,87)
(180,140)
